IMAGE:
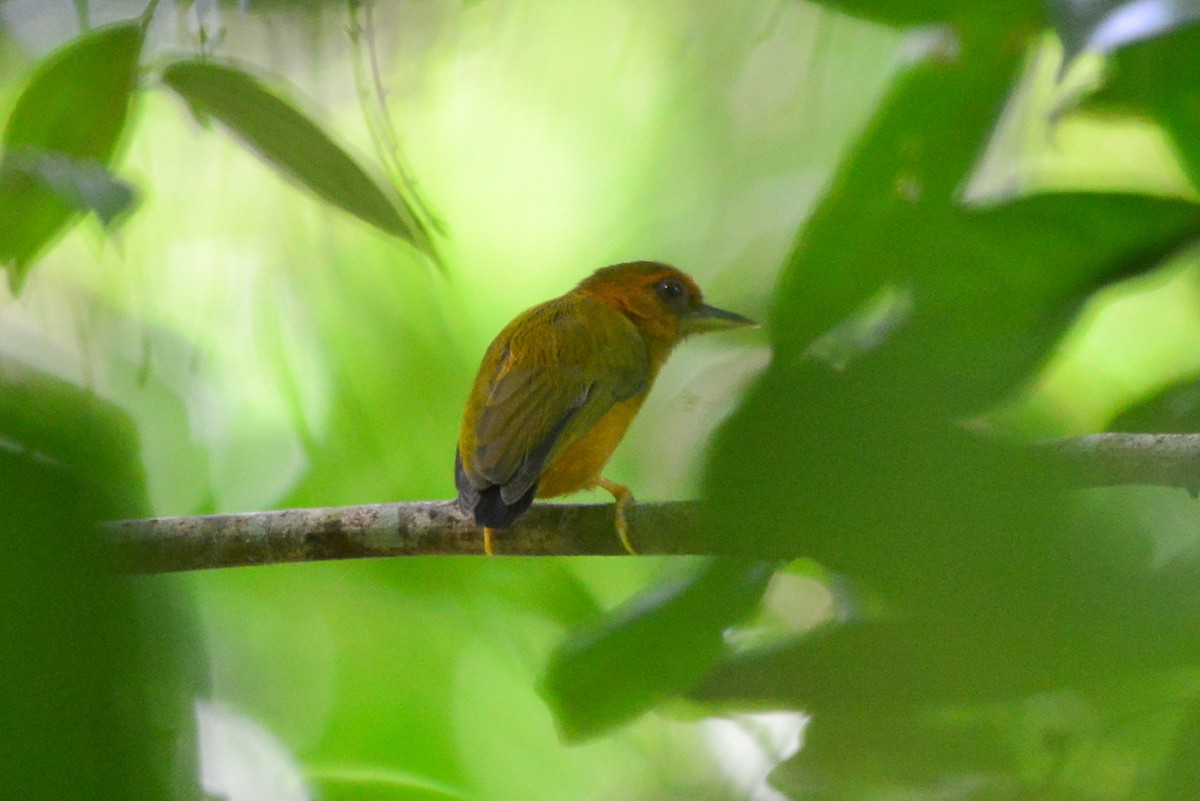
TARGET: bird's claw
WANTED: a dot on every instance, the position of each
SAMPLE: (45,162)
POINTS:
(625,501)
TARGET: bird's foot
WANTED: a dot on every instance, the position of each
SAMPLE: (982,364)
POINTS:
(624,499)
(487,541)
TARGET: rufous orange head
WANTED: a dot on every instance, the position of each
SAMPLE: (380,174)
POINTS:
(662,302)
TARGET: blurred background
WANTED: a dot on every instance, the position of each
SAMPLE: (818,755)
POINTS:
(277,352)
(274,351)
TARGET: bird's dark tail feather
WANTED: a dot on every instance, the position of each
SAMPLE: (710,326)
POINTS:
(488,508)
(493,512)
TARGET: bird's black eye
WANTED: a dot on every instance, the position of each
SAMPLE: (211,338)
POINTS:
(671,291)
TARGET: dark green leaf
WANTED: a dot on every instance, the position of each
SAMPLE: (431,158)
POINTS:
(1161,78)
(994,583)
(77,100)
(1003,280)
(660,643)
(65,424)
(1174,409)
(856,757)
(84,185)
(906,170)
(76,106)
(290,141)
(71,666)
(987,292)
(1181,777)
(893,667)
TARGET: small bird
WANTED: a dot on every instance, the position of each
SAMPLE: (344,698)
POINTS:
(559,386)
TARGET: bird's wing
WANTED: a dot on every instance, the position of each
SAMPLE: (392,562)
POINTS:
(559,368)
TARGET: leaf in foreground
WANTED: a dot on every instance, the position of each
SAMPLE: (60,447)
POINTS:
(84,185)
(659,644)
(290,141)
(75,106)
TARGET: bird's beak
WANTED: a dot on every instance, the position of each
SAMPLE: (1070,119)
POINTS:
(709,318)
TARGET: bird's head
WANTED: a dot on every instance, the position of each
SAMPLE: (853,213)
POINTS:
(664,303)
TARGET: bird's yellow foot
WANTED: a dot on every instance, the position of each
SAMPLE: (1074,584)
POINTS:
(624,499)
(487,541)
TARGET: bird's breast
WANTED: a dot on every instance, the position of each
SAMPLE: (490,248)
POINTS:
(578,466)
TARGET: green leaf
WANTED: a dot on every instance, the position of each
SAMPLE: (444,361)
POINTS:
(658,644)
(918,701)
(1181,780)
(905,169)
(863,758)
(291,142)
(1161,78)
(84,185)
(993,581)
(77,666)
(865,466)
(1002,279)
(892,667)
(76,106)
(1173,409)
(987,292)
(66,425)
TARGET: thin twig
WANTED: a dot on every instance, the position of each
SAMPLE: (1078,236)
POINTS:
(372,98)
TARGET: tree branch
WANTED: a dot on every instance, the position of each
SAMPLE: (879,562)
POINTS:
(420,528)
(1109,460)
(426,528)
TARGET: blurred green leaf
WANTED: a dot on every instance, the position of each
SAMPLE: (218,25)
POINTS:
(1174,409)
(291,142)
(84,185)
(1161,78)
(893,668)
(68,425)
(987,292)
(991,287)
(884,210)
(853,757)
(75,106)
(77,100)
(1070,746)
(1181,776)
(658,644)
(83,717)
(68,647)
(994,583)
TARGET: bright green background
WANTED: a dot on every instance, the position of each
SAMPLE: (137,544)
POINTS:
(274,351)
